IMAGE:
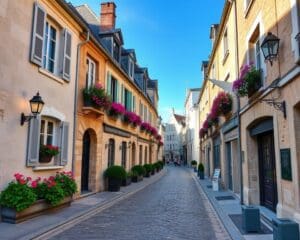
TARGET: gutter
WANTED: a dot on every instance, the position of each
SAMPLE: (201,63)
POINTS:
(76,97)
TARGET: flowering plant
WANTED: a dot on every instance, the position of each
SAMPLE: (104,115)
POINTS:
(146,127)
(160,143)
(48,150)
(158,137)
(249,79)
(116,109)
(96,96)
(132,118)
(222,104)
(22,192)
(153,131)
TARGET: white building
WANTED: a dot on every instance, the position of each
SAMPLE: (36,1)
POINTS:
(191,145)
(173,150)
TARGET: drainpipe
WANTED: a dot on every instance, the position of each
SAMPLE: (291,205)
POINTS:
(76,98)
(238,104)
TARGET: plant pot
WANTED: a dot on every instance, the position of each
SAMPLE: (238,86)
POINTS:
(126,181)
(114,184)
(147,175)
(137,178)
(254,88)
(153,172)
(201,174)
(45,159)
(40,207)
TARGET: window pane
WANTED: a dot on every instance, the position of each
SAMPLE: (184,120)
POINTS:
(42,139)
(50,128)
(42,126)
(50,139)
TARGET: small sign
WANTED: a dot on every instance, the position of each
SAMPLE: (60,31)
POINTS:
(286,167)
(217,173)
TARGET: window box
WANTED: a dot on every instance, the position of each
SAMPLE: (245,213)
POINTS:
(40,207)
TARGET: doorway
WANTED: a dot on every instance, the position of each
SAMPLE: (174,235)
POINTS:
(85,163)
(229,164)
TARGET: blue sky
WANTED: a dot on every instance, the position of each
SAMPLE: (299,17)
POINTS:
(171,38)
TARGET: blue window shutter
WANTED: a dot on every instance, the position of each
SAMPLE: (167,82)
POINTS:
(64,143)
(33,143)
(67,55)
(38,31)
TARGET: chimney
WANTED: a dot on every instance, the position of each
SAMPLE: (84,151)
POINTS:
(108,16)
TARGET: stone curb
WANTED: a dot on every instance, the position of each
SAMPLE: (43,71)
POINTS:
(61,226)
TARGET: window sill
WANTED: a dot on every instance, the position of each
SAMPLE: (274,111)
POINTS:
(225,57)
(248,8)
(46,168)
(51,75)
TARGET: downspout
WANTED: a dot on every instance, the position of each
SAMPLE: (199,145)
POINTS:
(76,98)
(238,104)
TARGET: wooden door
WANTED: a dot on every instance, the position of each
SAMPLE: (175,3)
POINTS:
(85,162)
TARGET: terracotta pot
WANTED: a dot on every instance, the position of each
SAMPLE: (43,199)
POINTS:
(40,207)
(45,159)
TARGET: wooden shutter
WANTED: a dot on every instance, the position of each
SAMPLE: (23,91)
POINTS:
(64,143)
(130,100)
(133,104)
(67,55)
(123,95)
(33,143)
(108,83)
(38,31)
(117,89)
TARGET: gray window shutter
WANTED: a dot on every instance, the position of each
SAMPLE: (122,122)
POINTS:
(38,31)
(108,83)
(33,142)
(67,55)
(64,143)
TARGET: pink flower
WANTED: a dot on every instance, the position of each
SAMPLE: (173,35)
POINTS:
(117,109)
(34,184)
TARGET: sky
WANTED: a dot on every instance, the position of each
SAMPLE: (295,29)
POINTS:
(170,38)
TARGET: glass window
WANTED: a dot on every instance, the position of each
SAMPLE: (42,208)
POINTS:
(49,48)
(111,152)
(116,51)
(114,89)
(47,132)
(90,72)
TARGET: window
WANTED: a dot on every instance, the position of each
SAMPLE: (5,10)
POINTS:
(112,87)
(116,51)
(141,110)
(111,152)
(50,46)
(47,131)
(141,155)
(48,39)
(225,43)
(131,69)
(145,113)
(124,150)
(90,72)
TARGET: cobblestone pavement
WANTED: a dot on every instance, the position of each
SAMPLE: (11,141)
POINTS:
(173,208)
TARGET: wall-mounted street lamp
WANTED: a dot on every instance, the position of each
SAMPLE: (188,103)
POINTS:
(270,47)
(36,106)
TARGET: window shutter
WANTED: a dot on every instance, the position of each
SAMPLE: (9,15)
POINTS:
(33,146)
(123,95)
(108,83)
(133,104)
(67,55)
(117,89)
(130,101)
(64,143)
(38,30)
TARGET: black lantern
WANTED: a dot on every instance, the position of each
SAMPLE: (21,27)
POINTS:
(36,106)
(270,47)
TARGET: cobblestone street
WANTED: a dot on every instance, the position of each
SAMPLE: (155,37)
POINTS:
(172,208)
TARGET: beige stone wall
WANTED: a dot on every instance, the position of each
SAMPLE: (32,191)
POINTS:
(20,81)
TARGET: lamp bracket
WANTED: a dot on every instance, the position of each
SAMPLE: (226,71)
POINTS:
(280,106)
(26,118)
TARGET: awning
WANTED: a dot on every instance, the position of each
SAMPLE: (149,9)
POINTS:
(226,86)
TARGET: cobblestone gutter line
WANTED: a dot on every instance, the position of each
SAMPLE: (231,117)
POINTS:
(60,227)
(218,227)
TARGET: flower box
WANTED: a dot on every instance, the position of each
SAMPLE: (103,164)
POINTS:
(40,207)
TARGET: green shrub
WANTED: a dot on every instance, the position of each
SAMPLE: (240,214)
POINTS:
(194,162)
(116,172)
(157,166)
(139,169)
(54,194)
(134,174)
(148,168)
(17,196)
(201,167)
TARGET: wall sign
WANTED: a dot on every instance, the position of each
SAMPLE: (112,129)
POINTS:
(286,167)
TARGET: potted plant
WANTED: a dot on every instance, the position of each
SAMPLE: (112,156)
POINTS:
(95,96)
(115,176)
(223,103)
(135,176)
(248,82)
(194,165)
(47,152)
(116,110)
(127,180)
(201,171)
(141,171)
(25,198)
(153,169)
(132,118)
(148,168)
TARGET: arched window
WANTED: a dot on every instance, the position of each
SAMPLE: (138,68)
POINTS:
(111,152)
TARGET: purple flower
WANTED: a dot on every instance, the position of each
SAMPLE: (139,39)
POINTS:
(117,109)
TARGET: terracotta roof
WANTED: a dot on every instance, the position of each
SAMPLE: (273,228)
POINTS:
(179,118)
